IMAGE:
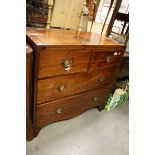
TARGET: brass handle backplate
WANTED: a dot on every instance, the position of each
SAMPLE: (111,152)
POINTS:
(108,59)
(61,88)
(59,110)
(67,63)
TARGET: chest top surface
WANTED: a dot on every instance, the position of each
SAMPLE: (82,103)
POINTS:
(57,37)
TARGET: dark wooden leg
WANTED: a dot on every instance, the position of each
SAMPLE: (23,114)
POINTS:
(36,132)
(32,133)
(29,134)
(100,108)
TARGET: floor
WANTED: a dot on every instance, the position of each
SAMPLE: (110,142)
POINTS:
(91,133)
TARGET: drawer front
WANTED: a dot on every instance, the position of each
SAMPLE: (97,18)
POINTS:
(62,86)
(100,59)
(71,106)
(62,61)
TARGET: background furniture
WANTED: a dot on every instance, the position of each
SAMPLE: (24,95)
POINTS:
(36,13)
(93,7)
(62,16)
(56,13)
(73,72)
(106,18)
(121,36)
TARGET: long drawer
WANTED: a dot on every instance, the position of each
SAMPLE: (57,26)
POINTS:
(71,106)
(62,61)
(62,86)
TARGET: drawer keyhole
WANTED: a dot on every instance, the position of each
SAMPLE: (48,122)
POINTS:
(108,59)
(59,111)
(95,99)
(102,78)
(61,88)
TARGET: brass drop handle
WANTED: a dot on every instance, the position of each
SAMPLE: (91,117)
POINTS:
(61,88)
(67,63)
(102,78)
(95,98)
(108,59)
(59,111)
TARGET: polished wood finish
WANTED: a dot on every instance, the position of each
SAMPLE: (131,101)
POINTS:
(29,59)
(49,89)
(47,38)
(49,66)
(73,72)
(102,59)
(71,106)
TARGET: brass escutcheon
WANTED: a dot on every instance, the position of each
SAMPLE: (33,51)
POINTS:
(95,98)
(67,63)
(102,78)
(59,111)
(108,59)
(61,88)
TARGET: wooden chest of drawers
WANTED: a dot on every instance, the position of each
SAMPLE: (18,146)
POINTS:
(73,72)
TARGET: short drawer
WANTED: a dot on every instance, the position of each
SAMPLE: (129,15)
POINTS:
(100,59)
(59,87)
(71,106)
(62,61)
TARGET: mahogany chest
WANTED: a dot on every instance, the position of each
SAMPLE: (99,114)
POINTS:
(72,72)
